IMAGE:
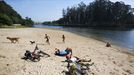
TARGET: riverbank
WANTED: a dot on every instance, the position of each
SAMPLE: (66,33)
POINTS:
(107,61)
(14,26)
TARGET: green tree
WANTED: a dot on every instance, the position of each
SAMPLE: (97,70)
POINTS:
(4,19)
(99,13)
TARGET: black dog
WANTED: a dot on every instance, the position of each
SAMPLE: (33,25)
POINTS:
(32,42)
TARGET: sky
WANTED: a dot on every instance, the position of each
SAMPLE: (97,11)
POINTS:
(47,10)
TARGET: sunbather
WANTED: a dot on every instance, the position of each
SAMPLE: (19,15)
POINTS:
(63,52)
(76,59)
(28,54)
(36,50)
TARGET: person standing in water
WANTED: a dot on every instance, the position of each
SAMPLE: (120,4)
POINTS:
(47,39)
(63,38)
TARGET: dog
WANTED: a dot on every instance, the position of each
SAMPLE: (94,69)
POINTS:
(13,39)
(32,42)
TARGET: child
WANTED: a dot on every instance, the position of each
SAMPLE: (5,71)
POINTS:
(63,37)
(47,39)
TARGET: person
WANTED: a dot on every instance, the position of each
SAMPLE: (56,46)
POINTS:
(28,55)
(36,52)
(108,44)
(63,38)
(77,60)
(63,52)
(72,69)
(69,50)
(57,51)
(47,39)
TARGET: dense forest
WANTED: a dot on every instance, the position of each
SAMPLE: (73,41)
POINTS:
(99,13)
(8,16)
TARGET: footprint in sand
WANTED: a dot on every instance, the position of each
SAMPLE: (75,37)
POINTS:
(112,73)
(1,56)
(128,71)
(114,62)
(116,69)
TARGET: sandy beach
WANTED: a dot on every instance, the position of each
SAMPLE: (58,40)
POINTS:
(107,60)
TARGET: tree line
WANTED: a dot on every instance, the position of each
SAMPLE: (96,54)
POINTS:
(8,16)
(99,13)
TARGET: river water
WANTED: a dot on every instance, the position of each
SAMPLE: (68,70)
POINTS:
(122,38)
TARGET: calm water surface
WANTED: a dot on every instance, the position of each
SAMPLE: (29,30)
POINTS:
(122,38)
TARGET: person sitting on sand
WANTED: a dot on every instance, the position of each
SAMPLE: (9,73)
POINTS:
(47,39)
(108,44)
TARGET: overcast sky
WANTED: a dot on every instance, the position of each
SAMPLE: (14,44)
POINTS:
(47,10)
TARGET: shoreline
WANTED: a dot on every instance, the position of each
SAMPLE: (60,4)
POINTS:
(108,60)
(127,50)
(121,49)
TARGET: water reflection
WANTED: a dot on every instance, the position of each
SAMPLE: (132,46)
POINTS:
(117,37)
(47,26)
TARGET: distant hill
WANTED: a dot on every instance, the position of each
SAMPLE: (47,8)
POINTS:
(8,16)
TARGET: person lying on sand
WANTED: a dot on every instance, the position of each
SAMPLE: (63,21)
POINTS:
(33,57)
(63,52)
(76,59)
(36,50)
(28,55)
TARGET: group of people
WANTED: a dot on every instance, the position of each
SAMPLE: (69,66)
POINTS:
(48,38)
(72,61)
(68,54)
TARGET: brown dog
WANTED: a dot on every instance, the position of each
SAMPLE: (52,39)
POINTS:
(13,39)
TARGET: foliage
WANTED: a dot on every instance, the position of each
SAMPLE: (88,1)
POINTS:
(4,19)
(28,22)
(8,16)
(98,13)
(47,22)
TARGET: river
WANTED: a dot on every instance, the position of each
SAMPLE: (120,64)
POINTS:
(122,38)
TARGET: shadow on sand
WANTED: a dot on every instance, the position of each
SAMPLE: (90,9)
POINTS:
(60,42)
(7,42)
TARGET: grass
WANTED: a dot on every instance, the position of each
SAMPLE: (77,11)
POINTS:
(19,26)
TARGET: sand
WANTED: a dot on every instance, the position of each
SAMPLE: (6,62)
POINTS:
(107,60)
